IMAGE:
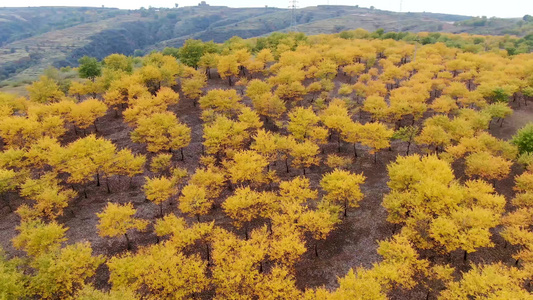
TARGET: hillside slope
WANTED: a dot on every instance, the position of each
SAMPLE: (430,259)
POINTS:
(32,39)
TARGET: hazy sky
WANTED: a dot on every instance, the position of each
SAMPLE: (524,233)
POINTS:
(489,8)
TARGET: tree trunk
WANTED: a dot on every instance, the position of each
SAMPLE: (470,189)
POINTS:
(127,241)
(161,209)
(345,208)
(182,156)
(354,151)
(287,164)
(97,179)
(408,146)
(316,248)
(95,128)
(107,185)
(198,217)
(465,256)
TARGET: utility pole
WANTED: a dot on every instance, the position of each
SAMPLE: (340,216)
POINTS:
(293,4)
(399,17)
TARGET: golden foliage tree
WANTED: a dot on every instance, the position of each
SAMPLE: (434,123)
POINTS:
(159,190)
(162,131)
(117,220)
(343,187)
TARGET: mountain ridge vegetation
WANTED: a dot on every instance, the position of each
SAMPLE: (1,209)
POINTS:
(34,38)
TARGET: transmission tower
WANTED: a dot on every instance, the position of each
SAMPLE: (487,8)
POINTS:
(293,5)
(399,17)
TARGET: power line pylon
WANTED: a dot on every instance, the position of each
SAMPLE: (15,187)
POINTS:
(293,5)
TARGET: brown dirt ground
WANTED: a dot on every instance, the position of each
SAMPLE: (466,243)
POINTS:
(352,244)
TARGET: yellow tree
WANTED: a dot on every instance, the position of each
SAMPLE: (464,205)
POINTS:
(122,90)
(303,125)
(433,135)
(292,91)
(160,271)
(343,187)
(143,107)
(498,282)
(376,136)
(118,62)
(335,161)
(87,113)
(91,157)
(270,106)
(224,136)
(60,273)
(401,264)
(45,90)
(14,284)
(125,163)
(192,87)
(36,237)
(159,70)
(265,143)
(452,216)
(84,88)
(227,67)
(159,190)
(256,88)
(161,163)
(279,283)
(319,222)
(50,198)
(247,167)
(304,155)
(244,206)
(352,133)
(211,178)
(376,106)
(21,132)
(117,220)
(195,201)
(236,263)
(487,166)
(182,236)
(250,119)
(221,101)
(354,70)
(517,223)
(162,131)
(335,117)
(85,158)
(444,105)
(208,61)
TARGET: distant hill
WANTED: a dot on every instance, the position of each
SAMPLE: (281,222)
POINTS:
(31,39)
